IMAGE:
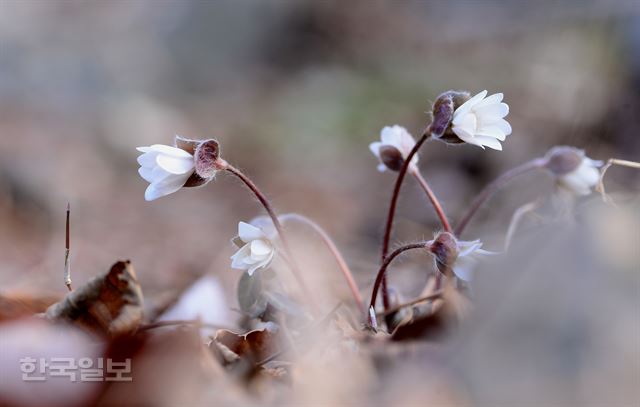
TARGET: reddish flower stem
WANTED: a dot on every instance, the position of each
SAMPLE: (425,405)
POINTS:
(494,187)
(432,197)
(385,264)
(272,214)
(344,268)
(392,210)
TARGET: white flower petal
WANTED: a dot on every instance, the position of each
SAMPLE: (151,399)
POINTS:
(147,159)
(175,165)
(146,173)
(163,188)
(388,135)
(468,123)
(465,248)
(464,268)
(248,232)
(575,183)
(239,256)
(495,98)
(503,125)
(152,193)
(169,150)
(375,148)
(590,174)
(260,247)
(492,112)
(466,107)
(489,142)
(491,131)
(465,136)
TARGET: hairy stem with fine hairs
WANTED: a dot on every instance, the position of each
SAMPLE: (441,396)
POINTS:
(392,210)
(344,268)
(432,197)
(381,273)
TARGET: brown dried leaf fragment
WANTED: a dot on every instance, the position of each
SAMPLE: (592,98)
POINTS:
(109,304)
(255,345)
(433,319)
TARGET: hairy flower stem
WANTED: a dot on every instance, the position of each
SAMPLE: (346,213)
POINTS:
(494,187)
(385,265)
(432,197)
(272,214)
(392,210)
(334,251)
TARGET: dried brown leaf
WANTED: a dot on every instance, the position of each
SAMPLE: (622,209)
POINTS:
(109,304)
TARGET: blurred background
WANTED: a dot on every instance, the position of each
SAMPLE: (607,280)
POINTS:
(294,92)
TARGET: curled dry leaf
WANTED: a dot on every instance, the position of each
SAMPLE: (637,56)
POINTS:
(109,304)
(254,346)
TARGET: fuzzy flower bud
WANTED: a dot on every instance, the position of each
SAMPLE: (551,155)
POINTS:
(572,169)
(456,257)
(394,146)
(478,120)
(442,114)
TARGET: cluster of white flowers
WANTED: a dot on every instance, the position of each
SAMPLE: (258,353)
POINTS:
(477,120)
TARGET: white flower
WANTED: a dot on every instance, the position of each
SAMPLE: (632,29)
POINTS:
(469,254)
(455,256)
(481,121)
(395,145)
(165,168)
(257,249)
(584,178)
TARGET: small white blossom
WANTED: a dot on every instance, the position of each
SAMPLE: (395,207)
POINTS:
(165,168)
(469,254)
(400,141)
(456,256)
(480,121)
(584,178)
(257,249)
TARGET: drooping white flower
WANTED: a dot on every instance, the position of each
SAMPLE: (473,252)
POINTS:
(394,146)
(480,121)
(572,169)
(165,168)
(584,178)
(453,256)
(257,249)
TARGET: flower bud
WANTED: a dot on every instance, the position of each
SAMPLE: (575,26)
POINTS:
(445,250)
(391,157)
(443,109)
(206,156)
